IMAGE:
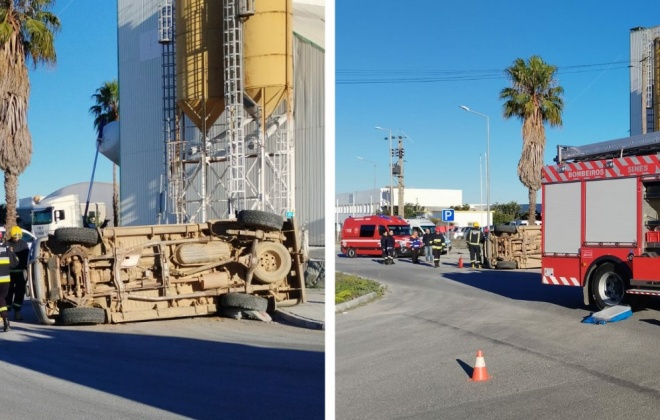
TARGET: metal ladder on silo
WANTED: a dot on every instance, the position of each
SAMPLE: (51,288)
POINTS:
(173,170)
(234,11)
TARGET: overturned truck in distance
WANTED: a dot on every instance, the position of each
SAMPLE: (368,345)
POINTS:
(124,274)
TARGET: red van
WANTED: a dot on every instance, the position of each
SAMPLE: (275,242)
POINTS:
(361,235)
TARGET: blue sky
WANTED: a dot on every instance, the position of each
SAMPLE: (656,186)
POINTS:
(461,49)
(63,134)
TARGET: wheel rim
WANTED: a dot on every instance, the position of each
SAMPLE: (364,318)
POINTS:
(270,261)
(611,288)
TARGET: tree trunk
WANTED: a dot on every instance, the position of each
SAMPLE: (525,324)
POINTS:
(115,197)
(531,217)
(11,185)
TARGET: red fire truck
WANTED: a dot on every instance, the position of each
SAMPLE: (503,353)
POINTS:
(601,219)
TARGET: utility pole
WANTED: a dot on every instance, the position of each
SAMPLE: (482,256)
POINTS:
(401,212)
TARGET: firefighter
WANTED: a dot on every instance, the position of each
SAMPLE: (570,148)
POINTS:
(437,244)
(474,240)
(8,261)
(16,292)
(387,245)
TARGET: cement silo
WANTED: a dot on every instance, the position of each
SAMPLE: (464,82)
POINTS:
(199,60)
(267,54)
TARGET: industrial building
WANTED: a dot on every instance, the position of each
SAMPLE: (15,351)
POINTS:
(362,203)
(644,71)
(221,109)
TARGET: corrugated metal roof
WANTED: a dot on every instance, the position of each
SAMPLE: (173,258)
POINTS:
(309,23)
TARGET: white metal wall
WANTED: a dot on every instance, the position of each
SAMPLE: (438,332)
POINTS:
(141,133)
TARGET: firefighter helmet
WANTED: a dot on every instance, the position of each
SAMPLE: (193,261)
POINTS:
(475,225)
(16,232)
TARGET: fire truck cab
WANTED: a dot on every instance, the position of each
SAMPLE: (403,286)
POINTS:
(601,220)
(361,235)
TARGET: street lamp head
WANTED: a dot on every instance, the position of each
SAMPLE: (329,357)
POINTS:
(359,157)
(464,107)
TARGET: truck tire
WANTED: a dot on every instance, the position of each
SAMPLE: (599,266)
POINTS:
(506,265)
(74,235)
(274,262)
(260,220)
(80,315)
(243,301)
(505,229)
(608,286)
(351,253)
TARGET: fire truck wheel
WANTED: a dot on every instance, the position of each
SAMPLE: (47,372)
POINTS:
(79,315)
(260,220)
(274,262)
(74,235)
(608,286)
(243,301)
(350,253)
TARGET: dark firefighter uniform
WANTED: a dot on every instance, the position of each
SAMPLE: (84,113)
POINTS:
(387,244)
(8,261)
(16,293)
(474,240)
(437,244)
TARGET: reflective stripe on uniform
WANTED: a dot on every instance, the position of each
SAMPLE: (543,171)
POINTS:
(4,279)
(4,261)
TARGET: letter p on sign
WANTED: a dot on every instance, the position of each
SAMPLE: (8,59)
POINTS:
(448,215)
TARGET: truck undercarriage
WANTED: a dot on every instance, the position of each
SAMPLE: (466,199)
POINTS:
(125,274)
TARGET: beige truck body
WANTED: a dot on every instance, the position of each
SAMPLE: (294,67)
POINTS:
(137,273)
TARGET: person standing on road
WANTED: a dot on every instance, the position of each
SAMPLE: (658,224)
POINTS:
(428,250)
(415,247)
(437,244)
(387,245)
(16,293)
(8,261)
(474,240)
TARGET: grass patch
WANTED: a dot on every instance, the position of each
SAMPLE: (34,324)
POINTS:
(349,287)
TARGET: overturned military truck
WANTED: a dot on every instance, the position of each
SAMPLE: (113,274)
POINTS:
(124,274)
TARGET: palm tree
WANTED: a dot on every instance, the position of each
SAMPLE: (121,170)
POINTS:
(105,110)
(27,33)
(535,98)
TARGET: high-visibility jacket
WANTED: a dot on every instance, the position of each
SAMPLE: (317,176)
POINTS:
(475,237)
(437,241)
(8,261)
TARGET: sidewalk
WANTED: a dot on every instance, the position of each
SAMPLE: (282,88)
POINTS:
(305,315)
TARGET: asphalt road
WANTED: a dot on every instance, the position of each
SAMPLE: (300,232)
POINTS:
(410,354)
(201,368)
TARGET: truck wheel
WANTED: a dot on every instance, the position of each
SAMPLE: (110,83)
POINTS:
(80,315)
(350,253)
(243,301)
(608,286)
(506,265)
(505,229)
(74,235)
(260,220)
(274,262)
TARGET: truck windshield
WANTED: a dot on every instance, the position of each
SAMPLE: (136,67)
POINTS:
(42,217)
(400,230)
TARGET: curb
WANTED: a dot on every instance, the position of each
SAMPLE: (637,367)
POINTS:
(298,321)
(355,302)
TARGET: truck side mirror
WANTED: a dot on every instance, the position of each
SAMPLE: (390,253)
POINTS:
(59,215)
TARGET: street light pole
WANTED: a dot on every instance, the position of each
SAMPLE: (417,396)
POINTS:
(376,195)
(389,130)
(487,166)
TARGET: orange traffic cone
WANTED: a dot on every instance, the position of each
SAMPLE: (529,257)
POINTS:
(460,261)
(480,374)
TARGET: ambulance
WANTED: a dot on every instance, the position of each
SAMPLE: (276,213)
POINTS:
(361,235)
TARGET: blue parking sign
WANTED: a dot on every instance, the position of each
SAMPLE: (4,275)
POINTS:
(448,215)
